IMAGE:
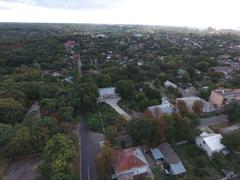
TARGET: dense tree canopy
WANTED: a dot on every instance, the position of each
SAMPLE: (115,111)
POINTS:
(233,111)
(143,131)
(60,151)
(11,111)
(126,89)
(232,141)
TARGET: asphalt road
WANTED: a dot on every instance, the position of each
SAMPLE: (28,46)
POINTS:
(213,120)
(89,150)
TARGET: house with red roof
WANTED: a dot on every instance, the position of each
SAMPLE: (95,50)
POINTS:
(70,44)
(128,163)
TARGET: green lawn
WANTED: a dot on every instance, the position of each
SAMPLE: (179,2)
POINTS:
(109,117)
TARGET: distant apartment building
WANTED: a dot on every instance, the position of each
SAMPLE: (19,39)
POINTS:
(222,96)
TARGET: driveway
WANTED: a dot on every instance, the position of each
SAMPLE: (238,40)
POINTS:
(113,102)
(206,122)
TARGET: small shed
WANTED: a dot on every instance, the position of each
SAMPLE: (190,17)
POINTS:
(157,155)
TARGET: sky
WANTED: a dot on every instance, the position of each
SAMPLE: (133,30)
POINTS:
(192,13)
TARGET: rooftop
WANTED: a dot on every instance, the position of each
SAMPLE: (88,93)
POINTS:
(157,154)
(212,140)
(105,91)
(127,159)
(165,107)
(227,92)
(178,168)
(169,154)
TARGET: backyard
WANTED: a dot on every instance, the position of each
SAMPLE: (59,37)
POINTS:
(199,166)
(108,114)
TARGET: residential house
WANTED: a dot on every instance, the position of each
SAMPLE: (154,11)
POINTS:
(128,163)
(192,90)
(107,93)
(168,84)
(222,96)
(189,101)
(165,108)
(176,166)
(226,70)
(210,142)
(70,44)
(184,92)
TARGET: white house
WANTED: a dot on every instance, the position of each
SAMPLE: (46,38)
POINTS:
(210,142)
(128,163)
(169,84)
(207,107)
(107,93)
(166,108)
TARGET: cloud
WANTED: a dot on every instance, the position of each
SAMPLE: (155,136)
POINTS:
(197,13)
(4,8)
(70,4)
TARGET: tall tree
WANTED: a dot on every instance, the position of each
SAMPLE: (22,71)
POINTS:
(126,89)
(60,151)
(197,107)
(11,111)
(143,131)
(182,107)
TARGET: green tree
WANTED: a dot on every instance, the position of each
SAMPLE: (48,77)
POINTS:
(49,105)
(60,151)
(202,66)
(233,112)
(21,143)
(11,111)
(111,133)
(67,113)
(126,89)
(178,128)
(232,141)
(143,131)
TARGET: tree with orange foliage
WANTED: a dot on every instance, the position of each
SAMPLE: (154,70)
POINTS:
(104,161)
(182,107)
(197,107)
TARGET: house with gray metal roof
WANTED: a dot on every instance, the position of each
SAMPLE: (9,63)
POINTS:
(176,165)
(157,156)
